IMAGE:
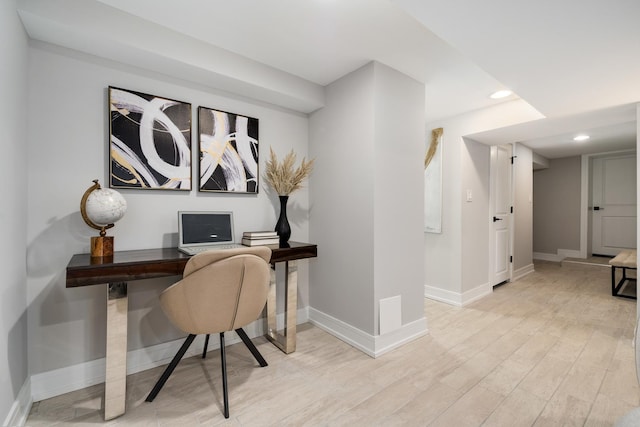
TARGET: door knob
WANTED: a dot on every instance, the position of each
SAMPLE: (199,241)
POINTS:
(495,218)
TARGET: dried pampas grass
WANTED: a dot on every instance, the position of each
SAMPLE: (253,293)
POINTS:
(282,176)
(435,139)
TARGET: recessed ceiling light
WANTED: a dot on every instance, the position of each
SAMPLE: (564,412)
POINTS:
(581,138)
(500,94)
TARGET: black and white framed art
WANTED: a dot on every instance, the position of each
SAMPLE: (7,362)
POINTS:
(228,145)
(149,141)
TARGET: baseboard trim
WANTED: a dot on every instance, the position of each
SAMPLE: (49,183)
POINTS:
(17,416)
(476,293)
(521,272)
(371,345)
(443,295)
(405,334)
(70,378)
(547,257)
(455,298)
(570,253)
(559,255)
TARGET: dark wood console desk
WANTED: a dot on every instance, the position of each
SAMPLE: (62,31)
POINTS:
(126,266)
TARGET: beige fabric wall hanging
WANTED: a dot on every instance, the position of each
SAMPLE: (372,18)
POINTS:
(433,183)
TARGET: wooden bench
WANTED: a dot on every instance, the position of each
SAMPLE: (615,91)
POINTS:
(626,260)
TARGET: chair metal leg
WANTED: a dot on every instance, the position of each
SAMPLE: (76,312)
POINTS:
(252,348)
(223,362)
(206,344)
(167,372)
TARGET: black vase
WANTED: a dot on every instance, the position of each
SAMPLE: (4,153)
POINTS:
(282,226)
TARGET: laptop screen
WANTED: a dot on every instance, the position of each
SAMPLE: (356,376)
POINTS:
(205,228)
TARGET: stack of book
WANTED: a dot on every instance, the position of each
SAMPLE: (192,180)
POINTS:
(255,238)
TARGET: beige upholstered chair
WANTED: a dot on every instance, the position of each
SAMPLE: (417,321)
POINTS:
(220,291)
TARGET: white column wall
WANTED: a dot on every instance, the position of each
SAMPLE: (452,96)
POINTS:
(399,192)
(342,217)
(68,114)
(367,197)
(13,223)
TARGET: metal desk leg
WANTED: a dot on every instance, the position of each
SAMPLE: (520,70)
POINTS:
(272,326)
(285,341)
(116,367)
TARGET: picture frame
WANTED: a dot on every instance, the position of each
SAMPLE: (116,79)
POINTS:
(433,183)
(228,147)
(149,141)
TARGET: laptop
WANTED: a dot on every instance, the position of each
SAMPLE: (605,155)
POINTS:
(200,231)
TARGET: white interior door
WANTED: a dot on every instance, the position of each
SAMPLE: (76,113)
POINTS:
(613,204)
(500,199)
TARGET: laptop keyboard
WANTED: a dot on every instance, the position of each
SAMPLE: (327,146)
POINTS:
(198,249)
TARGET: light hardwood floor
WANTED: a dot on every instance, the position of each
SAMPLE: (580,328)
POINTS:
(551,349)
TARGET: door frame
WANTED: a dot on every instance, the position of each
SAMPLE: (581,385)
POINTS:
(585,189)
(492,240)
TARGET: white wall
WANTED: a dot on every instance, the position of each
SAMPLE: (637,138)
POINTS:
(638,188)
(367,199)
(443,251)
(68,148)
(13,223)
(540,162)
(444,260)
(475,158)
(399,192)
(557,210)
(87,26)
(341,187)
(523,210)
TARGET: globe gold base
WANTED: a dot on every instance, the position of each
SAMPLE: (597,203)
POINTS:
(101,246)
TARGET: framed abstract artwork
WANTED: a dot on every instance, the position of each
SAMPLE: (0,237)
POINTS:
(433,184)
(149,141)
(228,146)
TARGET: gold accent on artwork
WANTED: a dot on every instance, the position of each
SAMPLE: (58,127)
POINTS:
(123,162)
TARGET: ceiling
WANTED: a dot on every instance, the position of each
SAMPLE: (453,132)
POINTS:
(574,61)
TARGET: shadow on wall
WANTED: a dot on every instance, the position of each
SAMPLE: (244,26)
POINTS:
(52,249)
(146,316)
(54,304)
(296,214)
(18,369)
(82,310)
(48,256)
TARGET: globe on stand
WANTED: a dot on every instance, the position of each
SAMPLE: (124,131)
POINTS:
(100,209)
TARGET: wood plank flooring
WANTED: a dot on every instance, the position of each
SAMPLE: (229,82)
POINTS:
(551,349)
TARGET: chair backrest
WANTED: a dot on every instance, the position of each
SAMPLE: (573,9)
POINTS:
(220,290)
